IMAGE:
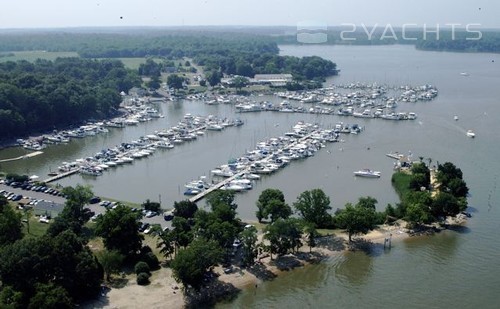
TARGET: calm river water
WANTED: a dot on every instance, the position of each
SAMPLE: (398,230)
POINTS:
(454,268)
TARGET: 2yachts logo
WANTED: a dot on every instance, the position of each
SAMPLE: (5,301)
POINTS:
(316,32)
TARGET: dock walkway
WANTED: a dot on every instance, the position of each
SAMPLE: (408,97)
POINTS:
(61,175)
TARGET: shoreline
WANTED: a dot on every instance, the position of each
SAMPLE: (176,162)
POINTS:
(165,292)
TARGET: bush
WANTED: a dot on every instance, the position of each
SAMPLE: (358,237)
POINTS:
(142,278)
(141,267)
(151,259)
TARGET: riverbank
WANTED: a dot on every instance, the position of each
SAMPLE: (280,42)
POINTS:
(165,292)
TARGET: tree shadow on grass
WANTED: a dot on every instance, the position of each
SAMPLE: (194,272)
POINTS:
(260,271)
(210,293)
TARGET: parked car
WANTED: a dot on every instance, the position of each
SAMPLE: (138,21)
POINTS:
(95,200)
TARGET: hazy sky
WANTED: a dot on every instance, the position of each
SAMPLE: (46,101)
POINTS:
(76,13)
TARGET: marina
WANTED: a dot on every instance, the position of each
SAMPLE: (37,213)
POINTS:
(269,156)
(186,130)
(446,257)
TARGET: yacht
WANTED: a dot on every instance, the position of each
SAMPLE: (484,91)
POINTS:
(471,134)
(367,173)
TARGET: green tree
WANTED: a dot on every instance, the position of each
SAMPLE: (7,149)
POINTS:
(181,232)
(244,68)
(277,209)
(10,298)
(458,187)
(150,68)
(154,83)
(119,229)
(10,223)
(73,266)
(447,172)
(175,81)
(166,243)
(50,296)
(367,202)
(185,209)
(240,82)
(313,207)
(445,204)
(111,262)
(219,197)
(311,234)
(190,265)
(417,214)
(213,78)
(264,200)
(284,236)
(152,206)
(248,238)
(356,219)
(74,215)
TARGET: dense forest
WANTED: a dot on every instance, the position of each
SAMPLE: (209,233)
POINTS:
(223,52)
(45,94)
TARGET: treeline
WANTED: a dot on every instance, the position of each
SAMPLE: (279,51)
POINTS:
(49,94)
(463,42)
(459,40)
(249,64)
(243,53)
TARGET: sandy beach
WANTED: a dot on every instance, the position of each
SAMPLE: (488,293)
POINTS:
(165,292)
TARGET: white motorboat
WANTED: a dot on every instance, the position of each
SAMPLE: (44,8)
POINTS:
(471,133)
(91,171)
(224,172)
(233,187)
(250,176)
(367,173)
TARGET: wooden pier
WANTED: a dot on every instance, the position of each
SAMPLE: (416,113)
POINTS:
(29,155)
(61,175)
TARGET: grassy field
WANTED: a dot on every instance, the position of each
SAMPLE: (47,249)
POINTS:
(34,55)
(401,183)
(132,63)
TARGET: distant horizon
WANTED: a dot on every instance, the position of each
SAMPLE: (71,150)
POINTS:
(380,27)
(29,14)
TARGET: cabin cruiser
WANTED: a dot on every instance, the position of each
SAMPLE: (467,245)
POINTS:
(367,173)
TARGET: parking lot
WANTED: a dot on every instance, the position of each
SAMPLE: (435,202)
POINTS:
(52,205)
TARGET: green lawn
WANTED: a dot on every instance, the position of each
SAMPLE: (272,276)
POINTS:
(37,229)
(34,55)
(401,183)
